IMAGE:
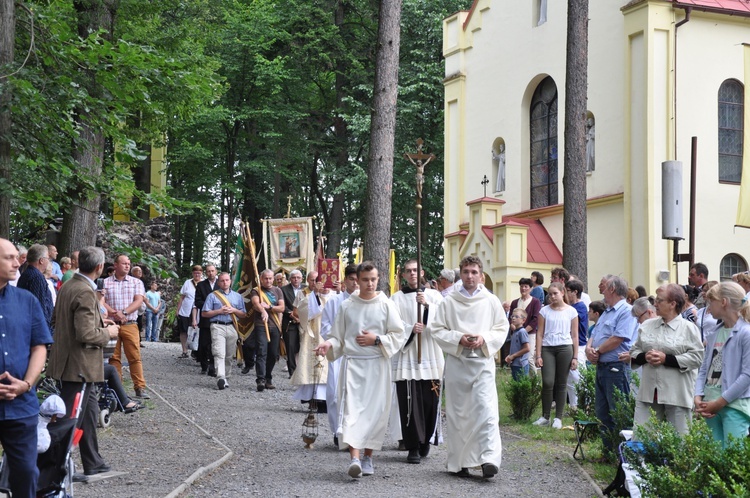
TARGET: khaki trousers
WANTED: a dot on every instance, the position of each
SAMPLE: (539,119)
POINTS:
(130,340)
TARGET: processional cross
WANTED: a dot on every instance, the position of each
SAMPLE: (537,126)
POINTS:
(420,160)
(288,207)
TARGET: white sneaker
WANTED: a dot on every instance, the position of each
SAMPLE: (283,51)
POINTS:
(557,424)
(541,421)
(355,468)
(367,468)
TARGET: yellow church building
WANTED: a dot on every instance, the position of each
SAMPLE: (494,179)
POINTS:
(660,72)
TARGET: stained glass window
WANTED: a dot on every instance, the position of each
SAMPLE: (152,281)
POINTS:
(543,123)
(731,106)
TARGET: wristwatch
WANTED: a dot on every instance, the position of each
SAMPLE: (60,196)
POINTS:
(377,341)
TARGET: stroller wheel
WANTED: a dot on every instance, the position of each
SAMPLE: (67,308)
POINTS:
(105,419)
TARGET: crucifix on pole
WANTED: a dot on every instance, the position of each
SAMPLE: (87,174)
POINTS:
(484,184)
(420,160)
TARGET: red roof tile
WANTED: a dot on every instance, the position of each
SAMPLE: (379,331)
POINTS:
(540,247)
(731,7)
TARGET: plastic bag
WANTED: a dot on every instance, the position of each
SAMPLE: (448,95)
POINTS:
(192,338)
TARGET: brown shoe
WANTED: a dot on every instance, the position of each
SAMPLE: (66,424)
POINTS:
(270,386)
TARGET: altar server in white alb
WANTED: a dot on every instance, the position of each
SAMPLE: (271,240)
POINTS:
(330,312)
(367,333)
(417,384)
(470,326)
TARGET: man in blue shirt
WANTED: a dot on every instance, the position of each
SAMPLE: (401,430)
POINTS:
(24,336)
(614,334)
(221,308)
(33,279)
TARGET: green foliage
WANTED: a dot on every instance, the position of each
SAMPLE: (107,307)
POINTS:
(586,392)
(524,395)
(693,465)
(157,264)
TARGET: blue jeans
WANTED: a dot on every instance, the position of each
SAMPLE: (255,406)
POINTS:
(518,372)
(609,376)
(19,439)
(151,323)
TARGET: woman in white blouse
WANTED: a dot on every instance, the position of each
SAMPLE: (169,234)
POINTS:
(556,352)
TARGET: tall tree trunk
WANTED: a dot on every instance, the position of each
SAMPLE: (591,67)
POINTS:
(382,137)
(80,221)
(7,39)
(574,179)
(341,132)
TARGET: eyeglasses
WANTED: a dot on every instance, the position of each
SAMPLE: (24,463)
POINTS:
(639,316)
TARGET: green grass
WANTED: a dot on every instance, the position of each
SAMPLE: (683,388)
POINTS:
(564,440)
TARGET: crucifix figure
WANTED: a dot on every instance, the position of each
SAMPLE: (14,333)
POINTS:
(420,160)
(484,184)
(417,159)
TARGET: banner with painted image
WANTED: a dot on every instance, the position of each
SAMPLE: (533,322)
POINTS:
(289,243)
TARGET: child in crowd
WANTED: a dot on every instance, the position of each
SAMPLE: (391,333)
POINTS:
(518,358)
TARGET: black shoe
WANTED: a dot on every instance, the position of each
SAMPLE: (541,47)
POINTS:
(269,385)
(98,470)
(413,456)
(137,406)
(424,449)
(322,407)
(401,446)
(464,472)
(489,470)
(80,477)
(211,372)
(246,369)
(222,383)
(261,386)
(336,441)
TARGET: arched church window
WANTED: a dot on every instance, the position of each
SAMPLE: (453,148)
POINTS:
(543,123)
(731,264)
(731,107)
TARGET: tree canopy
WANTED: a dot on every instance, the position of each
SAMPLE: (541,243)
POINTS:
(256,100)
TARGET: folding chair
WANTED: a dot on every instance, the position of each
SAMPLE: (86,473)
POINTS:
(582,427)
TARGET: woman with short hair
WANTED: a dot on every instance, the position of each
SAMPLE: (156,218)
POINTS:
(670,350)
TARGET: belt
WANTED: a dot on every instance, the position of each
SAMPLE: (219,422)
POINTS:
(222,323)
(607,363)
(130,322)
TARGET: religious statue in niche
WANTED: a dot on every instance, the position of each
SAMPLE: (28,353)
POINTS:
(590,145)
(500,158)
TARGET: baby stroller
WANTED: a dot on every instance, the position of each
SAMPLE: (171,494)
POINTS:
(56,465)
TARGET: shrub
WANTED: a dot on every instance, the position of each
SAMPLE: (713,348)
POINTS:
(693,465)
(586,391)
(524,395)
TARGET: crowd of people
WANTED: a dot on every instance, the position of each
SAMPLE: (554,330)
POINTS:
(374,362)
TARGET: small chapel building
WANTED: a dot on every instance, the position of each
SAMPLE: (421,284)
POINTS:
(660,72)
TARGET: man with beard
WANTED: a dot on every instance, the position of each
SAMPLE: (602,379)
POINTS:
(417,384)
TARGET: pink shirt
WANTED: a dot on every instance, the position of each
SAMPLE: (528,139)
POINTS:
(119,294)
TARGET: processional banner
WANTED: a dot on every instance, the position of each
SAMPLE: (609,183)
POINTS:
(290,243)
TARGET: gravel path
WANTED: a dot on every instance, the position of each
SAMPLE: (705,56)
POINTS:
(258,436)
